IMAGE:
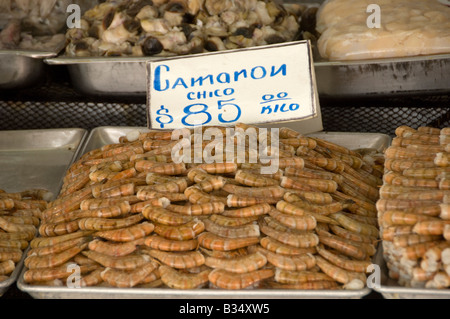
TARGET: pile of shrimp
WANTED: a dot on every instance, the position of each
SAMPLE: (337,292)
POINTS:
(414,215)
(128,215)
(20,215)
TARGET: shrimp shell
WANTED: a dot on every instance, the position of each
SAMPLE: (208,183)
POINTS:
(340,275)
(101,224)
(303,239)
(267,191)
(345,246)
(127,233)
(234,200)
(59,272)
(228,280)
(232,221)
(293,263)
(198,209)
(248,230)
(128,262)
(297,277)
(277,247)
(254,210)
(347,264)
(212,241)
(306,222)
(115,249)
(183,232)
(180,280)
(128,279)
(355,226)
(161,243)
(254,180)
(241,264)
(7,267)
(164,216)
(178,259)
(14,254)
(430,227)
(52,260)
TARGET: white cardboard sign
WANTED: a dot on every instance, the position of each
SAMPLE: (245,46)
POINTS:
(257,85)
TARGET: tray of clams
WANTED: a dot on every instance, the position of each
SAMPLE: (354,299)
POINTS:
(107,54)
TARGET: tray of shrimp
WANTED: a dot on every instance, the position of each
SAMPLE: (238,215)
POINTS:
(150,214)
(414,215)
(33,163)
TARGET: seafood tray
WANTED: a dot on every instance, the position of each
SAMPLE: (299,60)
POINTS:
(109,134)
(35,159)
(390,289)
(22,69)
(125,76)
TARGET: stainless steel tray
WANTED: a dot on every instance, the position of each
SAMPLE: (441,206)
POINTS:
(36,159)
(22,69)
(126,76)
(390,289)
(106,135)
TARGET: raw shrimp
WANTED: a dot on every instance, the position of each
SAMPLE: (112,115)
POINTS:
(58,247)
(164,216)
(49,241)
(279,248)
(14,254)
(178,259)
(102,212)
(128,262)
(254,180)
(92,279)
(414,252)
(97,203)
(7,267)
(355,226)
(350,279)
(309,285)
(161,243)
(297,277)
(241,264)
(228,280)
(127,233)
(128,279)
(145,194)
(180,280)
(198,209)
(232,221)
(329,164)
(158,202)
(57,229)
(209,240)
(53,260)
(59,272)
(400,218)
(293,263)
(13,227)
(219,168)
(342,245)
(234,200)
(292,209)
(101,224)
(345,263)
(305,222)
(254,210)
(248,230)
(314,197)
(430,227)
(299,239)
(347,234)
(267,191)
(115,249)
(183,232)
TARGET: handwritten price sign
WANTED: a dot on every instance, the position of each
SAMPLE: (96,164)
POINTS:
(267,84)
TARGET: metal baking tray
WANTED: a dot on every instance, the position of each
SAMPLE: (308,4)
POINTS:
(126,76)
(21,69)
(391,289)
(106,135)
(36,159)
